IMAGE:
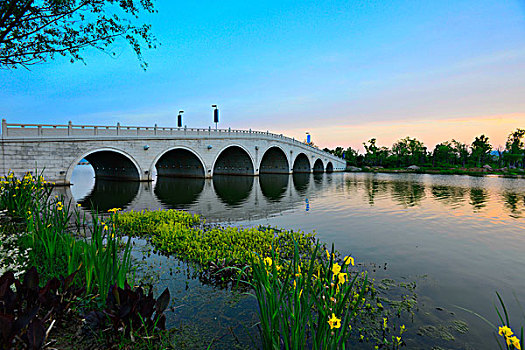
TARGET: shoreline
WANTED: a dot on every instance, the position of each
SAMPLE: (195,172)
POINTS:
(441,172)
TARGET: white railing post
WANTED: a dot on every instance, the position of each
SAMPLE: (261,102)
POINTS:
(4,127)
(39,130)
(69,128)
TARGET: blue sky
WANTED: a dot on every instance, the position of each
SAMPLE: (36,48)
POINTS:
(345,71)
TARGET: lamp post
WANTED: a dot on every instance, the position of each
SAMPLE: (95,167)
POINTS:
(215,115)
(179,119)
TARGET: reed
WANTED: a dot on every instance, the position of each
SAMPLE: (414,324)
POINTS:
(511,340)
(306,303)
(105,258)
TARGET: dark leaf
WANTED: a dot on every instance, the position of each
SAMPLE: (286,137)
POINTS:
(31,279)
(36,334)
(163,302)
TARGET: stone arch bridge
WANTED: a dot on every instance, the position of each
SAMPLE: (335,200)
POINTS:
(135,153)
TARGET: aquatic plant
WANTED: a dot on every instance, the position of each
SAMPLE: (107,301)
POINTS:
(51,245)
(19,196)
(505,331)
(104,262)
(176,232)
(312,303)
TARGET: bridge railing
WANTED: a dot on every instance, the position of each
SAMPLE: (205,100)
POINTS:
(19,131)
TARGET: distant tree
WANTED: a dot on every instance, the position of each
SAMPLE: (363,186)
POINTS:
(444,154)
(500,151)
(338,152)
(515,148)
(400,152)
(461,151)
(372,152)
(375,155)
(34,31)
(480,149)
(351,156)
(409,151)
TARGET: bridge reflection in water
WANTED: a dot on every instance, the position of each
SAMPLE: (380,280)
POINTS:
(234,198)
(225,197)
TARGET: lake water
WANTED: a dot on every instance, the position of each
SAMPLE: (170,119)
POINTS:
(459,238)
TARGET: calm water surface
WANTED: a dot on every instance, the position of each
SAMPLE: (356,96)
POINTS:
(460,238)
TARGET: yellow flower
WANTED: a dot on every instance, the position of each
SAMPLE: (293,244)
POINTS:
(385,322)
(505,331)
(268,261)
(516,342)
(78,205)
(334,322)
(327,254)
(342,278)
(114,210)
(402,328)
(336,268)
(349,260)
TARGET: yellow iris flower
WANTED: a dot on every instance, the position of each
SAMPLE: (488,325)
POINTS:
(336,269)
(349,260)
(505,331)
(334,322)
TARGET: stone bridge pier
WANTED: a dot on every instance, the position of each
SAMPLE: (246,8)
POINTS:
(134,153)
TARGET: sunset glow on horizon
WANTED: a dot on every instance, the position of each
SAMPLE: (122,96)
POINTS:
(430,132)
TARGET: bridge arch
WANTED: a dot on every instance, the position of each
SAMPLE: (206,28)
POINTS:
(109,163)
(318,166)
(233,160)
(179,161)
(274,161)
(301,164)
(329,167)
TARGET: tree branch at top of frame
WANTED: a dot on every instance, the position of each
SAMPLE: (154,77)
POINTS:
(34,31)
